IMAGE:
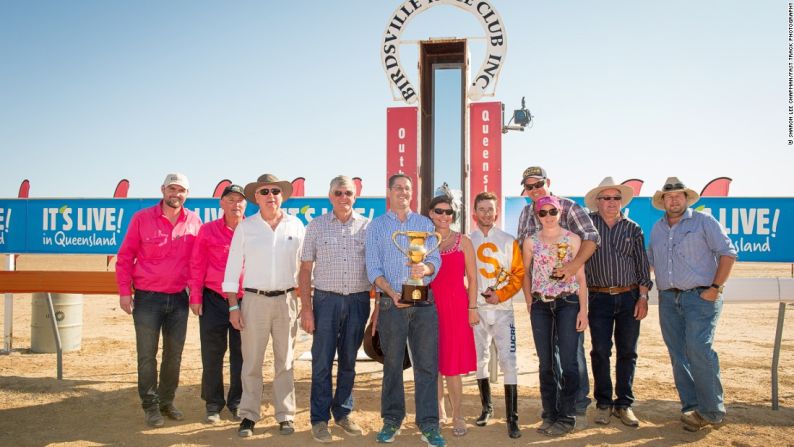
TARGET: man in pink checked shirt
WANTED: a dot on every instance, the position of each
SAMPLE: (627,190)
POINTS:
(153,259)
(207,300)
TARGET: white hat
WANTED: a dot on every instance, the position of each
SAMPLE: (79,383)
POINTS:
(176,178)
(626,192)
(672,184)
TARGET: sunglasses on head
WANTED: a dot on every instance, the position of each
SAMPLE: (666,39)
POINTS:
(551,212)
(608,198)
(266,191)
(343,193)
(441,211)
(537,185)
(672,186)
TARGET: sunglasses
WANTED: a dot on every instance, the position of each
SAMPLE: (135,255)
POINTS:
(608,198)
(537,185)
(265,191)
(441,211)
(343,193)
(551,212)
(672,186)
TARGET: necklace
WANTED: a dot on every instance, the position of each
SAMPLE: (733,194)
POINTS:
(445,238)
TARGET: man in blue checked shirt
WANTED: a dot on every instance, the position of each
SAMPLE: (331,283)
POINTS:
(692,257)
(388,269)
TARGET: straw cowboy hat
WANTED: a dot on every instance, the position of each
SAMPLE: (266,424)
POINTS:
(626,192)
(672,184)
(267,179)
(373,350)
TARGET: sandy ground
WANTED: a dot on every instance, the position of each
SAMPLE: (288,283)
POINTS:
(97,402)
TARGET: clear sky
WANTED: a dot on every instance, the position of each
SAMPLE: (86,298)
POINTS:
(93,91)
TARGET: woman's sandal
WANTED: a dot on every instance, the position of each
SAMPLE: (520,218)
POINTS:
(459,427)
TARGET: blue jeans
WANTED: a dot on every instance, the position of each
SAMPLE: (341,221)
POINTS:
(554,333)
(688,323)
(156,312)
(607,314)
(338,327)
(216,333)
(419,326)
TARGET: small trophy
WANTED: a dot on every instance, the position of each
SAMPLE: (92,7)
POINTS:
(414,291)
(562,251)
(502,276)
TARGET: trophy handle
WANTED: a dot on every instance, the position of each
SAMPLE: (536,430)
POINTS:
(438,243)
(394,240)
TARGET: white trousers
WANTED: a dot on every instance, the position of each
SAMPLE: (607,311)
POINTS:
(497,326)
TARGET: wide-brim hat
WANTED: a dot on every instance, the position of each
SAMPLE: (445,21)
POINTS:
(267,179)
(672,184)
(626,192)
(373,350)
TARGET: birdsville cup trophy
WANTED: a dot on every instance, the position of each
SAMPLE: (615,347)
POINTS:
(414,290)
(562,251)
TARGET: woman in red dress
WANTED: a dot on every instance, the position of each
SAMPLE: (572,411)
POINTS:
(455,293)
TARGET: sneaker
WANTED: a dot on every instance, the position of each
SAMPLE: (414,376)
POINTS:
(693,421)
(545,425)
(320,432)
(212,417)
(350,427)
(286,428)
(154,418)
(387,433)
(602,415)
(559,429)
(626,416)
(171,412)
(236,415)
(246,428)
(433,438)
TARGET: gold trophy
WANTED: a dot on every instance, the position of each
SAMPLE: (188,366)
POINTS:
(502,276)
(562,251)
(414,291)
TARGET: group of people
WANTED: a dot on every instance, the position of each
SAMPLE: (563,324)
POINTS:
(243,277)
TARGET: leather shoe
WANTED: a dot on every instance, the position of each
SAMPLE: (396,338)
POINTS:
(154,418)
(626,416)
(602,415)
(172,412)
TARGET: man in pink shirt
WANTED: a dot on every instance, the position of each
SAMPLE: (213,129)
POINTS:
(207,300)
(153,259)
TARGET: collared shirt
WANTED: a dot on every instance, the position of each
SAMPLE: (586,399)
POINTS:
(208,261)
(495,251)
(270,256)
(155,254)
(574,218)
(621,259)
(337,250)
(686,255)
(383,257)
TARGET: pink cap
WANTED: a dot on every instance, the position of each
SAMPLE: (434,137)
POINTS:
(547,200)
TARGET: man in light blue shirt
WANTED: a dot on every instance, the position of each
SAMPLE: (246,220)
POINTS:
(692,258)
(388,269)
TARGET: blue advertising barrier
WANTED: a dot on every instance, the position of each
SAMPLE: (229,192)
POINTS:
(762,228)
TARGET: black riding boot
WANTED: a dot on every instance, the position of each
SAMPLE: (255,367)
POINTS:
(511,407)
(484,386)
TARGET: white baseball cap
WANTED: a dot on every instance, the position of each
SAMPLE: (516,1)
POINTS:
(176,178)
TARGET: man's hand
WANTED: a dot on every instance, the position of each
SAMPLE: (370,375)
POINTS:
(567,270)
(395,297)
(419,270)
(125,301)
(196,308)
(307,319)
(236,319)
(490,296)
(641,309)
(710,294)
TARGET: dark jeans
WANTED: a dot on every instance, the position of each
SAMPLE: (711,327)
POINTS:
(608,312)
(216,333)
(418,326)
(338,328)
(554,333)
(154,312)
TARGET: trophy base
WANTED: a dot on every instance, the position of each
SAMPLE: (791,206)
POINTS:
(414,295)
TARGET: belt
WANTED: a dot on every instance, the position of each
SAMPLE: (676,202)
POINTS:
(270,293)
(340,294)
(613,290)
(547,298)
(675,290)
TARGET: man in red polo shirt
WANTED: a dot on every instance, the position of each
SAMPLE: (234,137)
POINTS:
(207,300)
(153,259)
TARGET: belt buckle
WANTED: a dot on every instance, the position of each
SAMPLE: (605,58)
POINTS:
(611,290)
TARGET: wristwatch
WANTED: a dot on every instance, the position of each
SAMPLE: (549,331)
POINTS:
(719,288)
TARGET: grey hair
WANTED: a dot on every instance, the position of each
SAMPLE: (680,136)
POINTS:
(341,180)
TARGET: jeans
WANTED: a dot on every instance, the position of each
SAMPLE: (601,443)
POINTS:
(338,327)
(216,333)
(582,401)
(608,312)
(688,324)
(419,326)
(152,313)
(554,333)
